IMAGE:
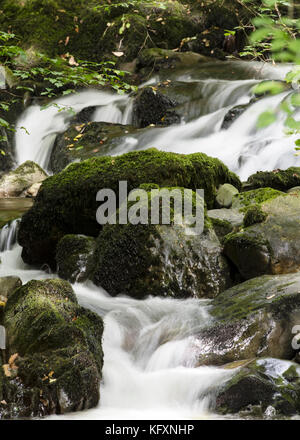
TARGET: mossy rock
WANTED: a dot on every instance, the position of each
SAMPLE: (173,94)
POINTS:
(254,214)
(252,319)
(46,24)
(59,362)
(261,385)
(160,260)
(281,180)
(254,197)
(74,257)
(66,202)
(271,246)
(225,221)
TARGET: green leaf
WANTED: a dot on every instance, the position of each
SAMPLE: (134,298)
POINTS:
(266,118)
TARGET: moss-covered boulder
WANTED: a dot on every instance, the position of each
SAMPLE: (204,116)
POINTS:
(281,180)
(74,257)
(271,246)
(84,140)
(160,260)
(262,388)
(54,353)
(14,183)
(66,202)
(252,319)
(152,107)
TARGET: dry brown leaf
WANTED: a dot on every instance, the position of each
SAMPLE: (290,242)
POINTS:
(6,369)
(72,61)
(12,359)
(67,40)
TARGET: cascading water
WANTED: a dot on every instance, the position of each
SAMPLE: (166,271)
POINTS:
(150,346)
(242,147)
(8,235)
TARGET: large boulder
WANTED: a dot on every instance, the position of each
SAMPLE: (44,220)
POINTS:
(66,202)
(54,352)
(225,220)
(262,388)
(271,246)
(160,260)
(14,183)
(253,319)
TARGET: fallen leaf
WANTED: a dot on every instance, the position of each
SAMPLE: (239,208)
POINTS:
(6,369)
(12,359)
(270,297)
(67,40)
(118,54)
(72,61)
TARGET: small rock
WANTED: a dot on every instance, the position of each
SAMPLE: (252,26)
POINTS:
(225,195)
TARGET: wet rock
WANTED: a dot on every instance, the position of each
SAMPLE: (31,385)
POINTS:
(66,202)
(54,352)
(252,319)
(225,195)
(281,180)
(160,260)
(96,139)
(152,107)
(225,220)
(74,257)
(232,115)
(157,59)
(245,199)
(32,190)
(254,214)
(272,246)
(14,183)
(8,285)
(272,385)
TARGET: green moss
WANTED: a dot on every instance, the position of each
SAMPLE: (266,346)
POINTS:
(254,197)
(59,346)
(254,214)
(66,203)
(281,180)
(74,257)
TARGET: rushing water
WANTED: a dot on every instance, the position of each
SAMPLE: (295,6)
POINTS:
(150,346)
(242,147)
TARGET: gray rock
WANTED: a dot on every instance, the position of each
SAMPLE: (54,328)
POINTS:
(14,183)
(270,247)
(225,195)
(252,319)
(265,387)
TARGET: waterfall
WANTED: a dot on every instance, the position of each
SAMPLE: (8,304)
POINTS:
(242,147)
(8,235)
(38,126)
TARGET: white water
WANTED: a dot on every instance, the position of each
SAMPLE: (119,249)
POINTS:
(150,350)
(150,346)
(8,235)
(242,147)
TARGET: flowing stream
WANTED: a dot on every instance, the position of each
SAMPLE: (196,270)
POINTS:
(150,346)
